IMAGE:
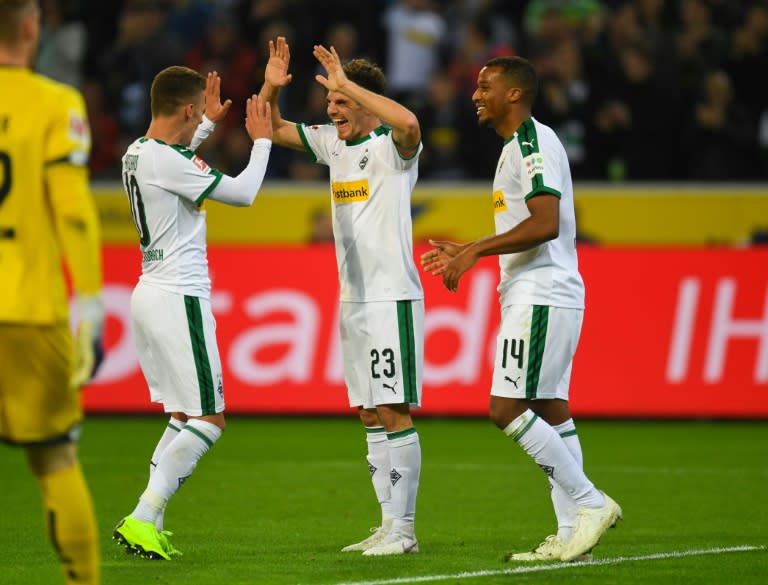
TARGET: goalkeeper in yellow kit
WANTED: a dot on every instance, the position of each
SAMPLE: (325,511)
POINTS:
(46,215)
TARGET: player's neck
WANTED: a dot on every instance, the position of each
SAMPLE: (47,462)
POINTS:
(10,57)
(512,122)
(166,130)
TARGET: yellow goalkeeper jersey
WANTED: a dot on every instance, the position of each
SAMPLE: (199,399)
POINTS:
(47,214)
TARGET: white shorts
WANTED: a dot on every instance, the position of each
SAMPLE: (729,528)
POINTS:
(175,339)
(382,345)
(534,351)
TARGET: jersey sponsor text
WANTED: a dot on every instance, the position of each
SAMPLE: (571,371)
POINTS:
(499,203)
(351,191)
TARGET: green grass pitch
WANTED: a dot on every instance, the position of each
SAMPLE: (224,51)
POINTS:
(276,498)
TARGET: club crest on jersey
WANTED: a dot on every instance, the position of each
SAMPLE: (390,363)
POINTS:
(363,161)
(200,163)
(499,203)
(350,191)
(534,164)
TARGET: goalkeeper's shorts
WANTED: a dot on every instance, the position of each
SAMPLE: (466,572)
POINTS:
(37,403)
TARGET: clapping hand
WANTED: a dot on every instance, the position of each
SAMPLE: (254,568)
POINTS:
(214,109)
(332,64)
(276,72)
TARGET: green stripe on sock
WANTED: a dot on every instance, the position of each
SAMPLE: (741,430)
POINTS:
(568,433)
(539,321)
(519,434)
(202,363)
(194,431)
(407,350)
(372,430)
(174,427)
(400,434)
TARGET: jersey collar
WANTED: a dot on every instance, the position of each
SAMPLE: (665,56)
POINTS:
(529,121)
(372,134)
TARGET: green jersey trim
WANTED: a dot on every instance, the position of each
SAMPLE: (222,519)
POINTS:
(305,142)
(543,191)
(381,130)
(216,178)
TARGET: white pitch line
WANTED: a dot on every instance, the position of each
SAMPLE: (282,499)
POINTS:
(558,566)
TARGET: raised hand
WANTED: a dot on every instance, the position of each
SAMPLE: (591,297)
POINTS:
(214,109)
(276,71)
(336,78)
(258,118)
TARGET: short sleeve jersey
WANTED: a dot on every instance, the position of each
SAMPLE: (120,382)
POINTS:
(533,163)
(371,187)
(43,123)
(166,187)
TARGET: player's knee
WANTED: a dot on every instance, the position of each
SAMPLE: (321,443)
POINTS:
(45,459)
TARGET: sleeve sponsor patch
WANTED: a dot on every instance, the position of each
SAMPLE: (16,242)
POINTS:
(78,128)
(534,164)
(200,164)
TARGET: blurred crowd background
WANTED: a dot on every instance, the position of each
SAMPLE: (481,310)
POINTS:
(638,90)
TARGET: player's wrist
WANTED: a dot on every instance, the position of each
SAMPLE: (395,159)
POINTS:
(90,307)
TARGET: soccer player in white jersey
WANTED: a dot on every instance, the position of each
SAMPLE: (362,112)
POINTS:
(174,328)
(371,147)
(542,303)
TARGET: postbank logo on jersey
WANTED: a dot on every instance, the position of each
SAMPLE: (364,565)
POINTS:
(534,164)
(350,191)
(499,203)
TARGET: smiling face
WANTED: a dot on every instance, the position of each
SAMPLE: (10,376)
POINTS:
(351,121)
(491,98)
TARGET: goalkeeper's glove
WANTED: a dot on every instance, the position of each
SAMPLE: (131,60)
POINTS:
(89,350)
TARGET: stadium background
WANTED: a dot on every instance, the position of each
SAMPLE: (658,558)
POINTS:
(672,206)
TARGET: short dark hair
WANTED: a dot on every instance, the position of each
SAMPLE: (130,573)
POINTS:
(520,73)
(12,13)
(173,87)
(366,74)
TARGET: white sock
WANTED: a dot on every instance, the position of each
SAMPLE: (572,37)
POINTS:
(405,458)
(549,451)
(174,467)
(565,506)
(379,466)
(172,430)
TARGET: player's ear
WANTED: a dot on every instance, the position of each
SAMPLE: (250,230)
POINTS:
(514,94)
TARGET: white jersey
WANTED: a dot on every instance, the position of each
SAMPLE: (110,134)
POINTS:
(166,187)
(533,162)
(371,186)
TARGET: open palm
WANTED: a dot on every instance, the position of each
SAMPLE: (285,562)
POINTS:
(276,71)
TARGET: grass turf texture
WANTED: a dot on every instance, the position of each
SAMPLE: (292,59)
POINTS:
(275,500)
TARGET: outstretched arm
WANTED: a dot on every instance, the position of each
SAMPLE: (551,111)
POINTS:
(242,189)
(405,126)
(276,76)
(451,260)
